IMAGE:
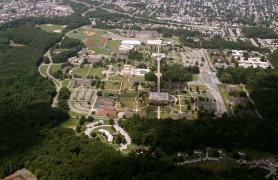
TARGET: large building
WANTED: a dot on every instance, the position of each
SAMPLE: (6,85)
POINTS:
(159,98)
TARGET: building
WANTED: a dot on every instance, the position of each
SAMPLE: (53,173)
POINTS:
(133,42)
(93,58)
(128,70)
(105,107)
(156,42)
(82,82)
(159,98)
(124,50)
(106,111)
(76,60)
(22,174)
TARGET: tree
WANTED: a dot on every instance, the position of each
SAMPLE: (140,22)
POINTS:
(111,121)
(78,129)
(99,93)
(90,119)
(150,76)
(82,120)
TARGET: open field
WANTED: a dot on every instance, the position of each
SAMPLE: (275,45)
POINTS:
(101,50)
(97,71)
(44,68)
(112,85)
(194,87)
(129,94)
(53,28)
(71,123)
(90,37)
(216,166)
(54,68)
(65,82)
(113,45)
(82,72)
(94,39)
(128,102)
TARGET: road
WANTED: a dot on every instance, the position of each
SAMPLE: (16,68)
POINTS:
(90,128)
(209,78)
(58,84)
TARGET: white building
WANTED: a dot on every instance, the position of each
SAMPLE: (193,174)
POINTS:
(128,70)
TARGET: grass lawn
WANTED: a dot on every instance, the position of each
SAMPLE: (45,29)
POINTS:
(113,45)
(117,78)
(71,123)
(195,77)
(102,50)
(129,94)
(225,97)
(201,87)
(94,40)
(217,166)
(137,78)
(108,128)
(130,103)
(52,28)
(74,114)
(90,37)
(164,115)
(44,68)
(97,72)
(65,82)
(54,68)
(82,72)
(112,85)
(256,155)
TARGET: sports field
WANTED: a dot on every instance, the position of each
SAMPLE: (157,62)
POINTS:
(52,28)
(96,41)
(90,37)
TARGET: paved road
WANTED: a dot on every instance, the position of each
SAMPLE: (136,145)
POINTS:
(210,79)
(58,84)
(90,127)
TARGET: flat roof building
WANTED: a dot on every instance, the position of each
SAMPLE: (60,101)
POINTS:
(158,98)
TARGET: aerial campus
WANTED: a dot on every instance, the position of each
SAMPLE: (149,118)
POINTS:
(132,70)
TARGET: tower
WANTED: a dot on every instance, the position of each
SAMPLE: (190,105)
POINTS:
(158,73)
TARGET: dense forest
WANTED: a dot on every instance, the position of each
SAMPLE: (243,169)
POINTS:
(176,136)
(273,58)
(25,97)
(262,84)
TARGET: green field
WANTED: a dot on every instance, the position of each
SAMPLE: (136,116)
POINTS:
(130,103)
(52,28)
(113,45)
(129,94)
(112,85)
(71,123)
(44,68)
(94,39)
(97,71)
(104,51)
(201,87)
(216,166)
(65,83)
(90,37)
(54,68)
(82,72)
